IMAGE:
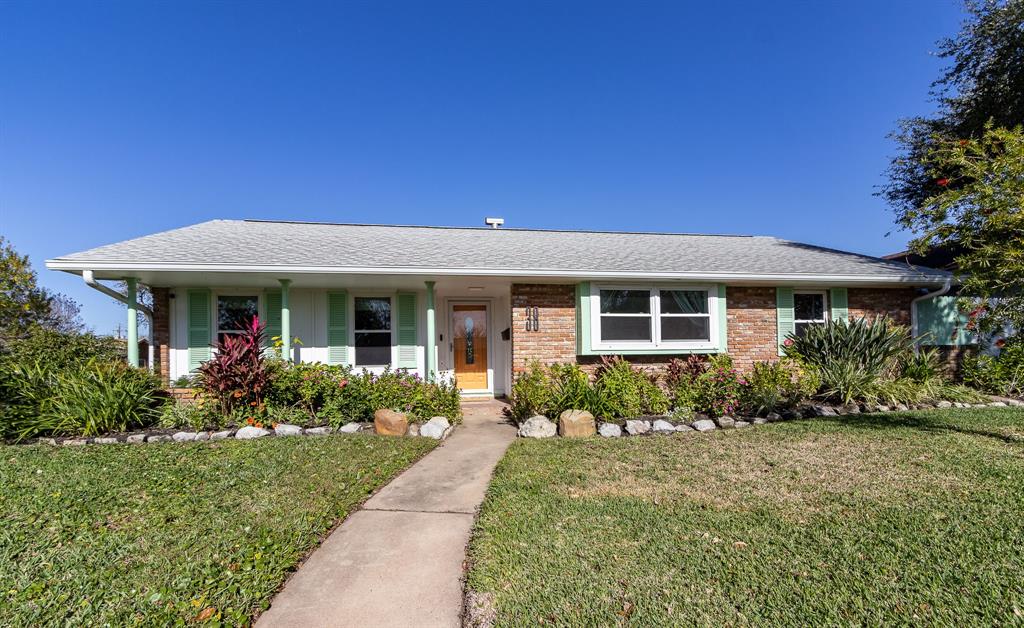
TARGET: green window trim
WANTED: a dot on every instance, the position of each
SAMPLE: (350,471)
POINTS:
(784,315)
(584,345)
(407,331)
(199,327)
(337,327)
(272,312)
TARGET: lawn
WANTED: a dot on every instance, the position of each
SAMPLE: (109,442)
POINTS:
(169,533)
(884,519)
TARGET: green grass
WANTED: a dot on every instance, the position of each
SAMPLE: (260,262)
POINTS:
(157,534)
(889,519)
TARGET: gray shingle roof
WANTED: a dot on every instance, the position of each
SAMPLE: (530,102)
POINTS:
(347,247)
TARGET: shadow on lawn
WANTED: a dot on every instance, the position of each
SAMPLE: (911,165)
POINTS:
(1011,433)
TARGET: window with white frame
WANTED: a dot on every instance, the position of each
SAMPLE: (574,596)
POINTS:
(373,331)
(809,309)
(653,317)
(235,313)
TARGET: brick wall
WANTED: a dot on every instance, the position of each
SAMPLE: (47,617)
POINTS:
(162,334)
(873,302)
(752,325)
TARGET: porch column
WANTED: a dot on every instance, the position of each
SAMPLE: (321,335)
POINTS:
(133,321)
(286,321)
(431,334)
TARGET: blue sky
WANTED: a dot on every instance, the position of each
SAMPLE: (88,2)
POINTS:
(119,119)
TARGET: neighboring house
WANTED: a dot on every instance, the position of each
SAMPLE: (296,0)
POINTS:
(483,304)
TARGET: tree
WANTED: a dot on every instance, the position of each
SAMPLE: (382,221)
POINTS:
(978,210)
(984,82)
(24,305)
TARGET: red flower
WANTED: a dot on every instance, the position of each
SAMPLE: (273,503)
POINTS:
(788,342)
(1001,343)
(943,182)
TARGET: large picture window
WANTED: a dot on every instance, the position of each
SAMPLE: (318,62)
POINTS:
(373,331)
(653,317)
(235,313)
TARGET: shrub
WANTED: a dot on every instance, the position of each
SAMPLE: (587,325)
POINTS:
(531,393)
(920,366)
(54,350)
(624,391)
(570,389)
(851,356)
(192,416)
(237,375)
(999,375)
(310,386)
(716,391)
(438,399)
(775,386)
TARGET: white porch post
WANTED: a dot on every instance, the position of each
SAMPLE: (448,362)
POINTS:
(133,321)
(286,321)
(431,357)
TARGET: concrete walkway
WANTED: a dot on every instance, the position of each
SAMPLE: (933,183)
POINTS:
(398,561)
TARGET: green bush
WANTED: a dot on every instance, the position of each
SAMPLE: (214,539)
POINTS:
(623,391)
(716,391)
(570,390)
(851,357)
(85,400)
(999,375)
(777,386)
(55,350)
(531,393)
(194,416)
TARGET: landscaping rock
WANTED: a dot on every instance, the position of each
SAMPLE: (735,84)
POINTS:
(47,441)
(158,438)
(820,410)
(900,407)
(576,424)
(704,425)
(740,424)
(726,422)
(609,430)
(414,430)
(284,429)
(662,426)
(537,426)
(760,420)
(106,440)
(250,432)
(997,404)
(773,417)
(436,428)
(319,431)
(135,438)
(390,423)
(183,437)
(852,409)
(636,427)
(202,436)
(350,428)
(222,435)
(791,414)
(74,442)
(944,404)
(683,427)
(1013,402)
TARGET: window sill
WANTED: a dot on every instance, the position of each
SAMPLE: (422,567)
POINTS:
(672,351)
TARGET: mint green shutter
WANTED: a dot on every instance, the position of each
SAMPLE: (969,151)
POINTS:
(337,327)
(407,330)
(940,322)
(784,315)
(272,299)
(199,320)
(840,304)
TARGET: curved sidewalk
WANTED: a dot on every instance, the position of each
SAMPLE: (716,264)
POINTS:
(398,561)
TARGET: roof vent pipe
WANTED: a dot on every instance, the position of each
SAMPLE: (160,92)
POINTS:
(494,223)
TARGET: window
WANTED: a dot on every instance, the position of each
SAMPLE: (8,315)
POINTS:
(653,318)
(234,314)
(373,331)
(808,309)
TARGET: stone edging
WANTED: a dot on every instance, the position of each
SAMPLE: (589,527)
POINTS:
(540,426)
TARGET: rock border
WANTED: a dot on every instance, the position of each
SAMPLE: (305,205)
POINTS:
(539,426)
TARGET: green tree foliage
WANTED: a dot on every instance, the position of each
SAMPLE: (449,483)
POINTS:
(24,305)
(983,82)
(977,211)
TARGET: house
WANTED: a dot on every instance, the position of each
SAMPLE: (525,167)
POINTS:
(481,304)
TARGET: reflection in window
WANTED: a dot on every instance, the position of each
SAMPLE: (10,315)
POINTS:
(234,314)
(373,331)
(808,310)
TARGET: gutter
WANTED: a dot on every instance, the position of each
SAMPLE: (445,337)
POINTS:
(90,280)
(913,309)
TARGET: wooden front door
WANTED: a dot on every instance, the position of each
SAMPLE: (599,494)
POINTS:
(469,344)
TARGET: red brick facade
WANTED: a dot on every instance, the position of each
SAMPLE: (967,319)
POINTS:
(162,334)
(750,314)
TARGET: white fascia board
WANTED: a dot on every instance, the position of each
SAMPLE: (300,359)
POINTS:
(800,278)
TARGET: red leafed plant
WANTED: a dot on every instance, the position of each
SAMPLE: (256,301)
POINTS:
(237,375)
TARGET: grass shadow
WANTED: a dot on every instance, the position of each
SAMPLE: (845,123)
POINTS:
(931,423)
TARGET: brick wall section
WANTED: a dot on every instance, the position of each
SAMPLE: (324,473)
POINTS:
(873,302)
(750,315)
(753,332)
(556,340)
(162,334)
